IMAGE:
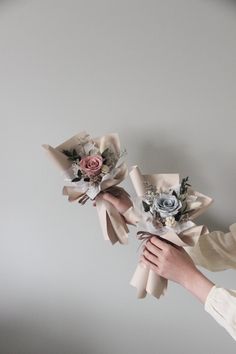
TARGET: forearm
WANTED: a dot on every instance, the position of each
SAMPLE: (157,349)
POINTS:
(197,284)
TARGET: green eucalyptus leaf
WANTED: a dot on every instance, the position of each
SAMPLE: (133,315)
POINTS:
(66,152)
(76,179)
(146,206)
(105,153)
(178,216)
(175,194)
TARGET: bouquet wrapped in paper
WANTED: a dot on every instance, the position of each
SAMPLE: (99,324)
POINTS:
(90,167)
(166,207)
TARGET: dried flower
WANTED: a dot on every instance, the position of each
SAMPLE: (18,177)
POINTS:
(167,205)
(91,165)
(170,221)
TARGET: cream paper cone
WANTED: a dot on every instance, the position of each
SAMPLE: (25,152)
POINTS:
(112,223)
(147,281)
(144,279)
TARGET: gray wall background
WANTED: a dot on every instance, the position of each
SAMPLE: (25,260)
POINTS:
(160,73)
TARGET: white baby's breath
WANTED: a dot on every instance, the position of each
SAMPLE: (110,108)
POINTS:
(105,169)
(75,168)
(170,221)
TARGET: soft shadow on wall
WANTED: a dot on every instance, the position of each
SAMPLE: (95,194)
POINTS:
(22,335)
(32,339)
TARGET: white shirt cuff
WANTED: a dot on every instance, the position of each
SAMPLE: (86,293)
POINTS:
(221,305)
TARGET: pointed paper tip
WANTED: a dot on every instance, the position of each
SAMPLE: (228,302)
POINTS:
(45,146)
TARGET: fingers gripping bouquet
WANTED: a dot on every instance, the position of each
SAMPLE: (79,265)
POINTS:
(166,208)
(90,167)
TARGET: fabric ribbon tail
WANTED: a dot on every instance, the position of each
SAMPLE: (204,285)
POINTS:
(113,224)
(147,281)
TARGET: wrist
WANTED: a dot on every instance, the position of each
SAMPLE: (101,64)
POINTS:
(197,284)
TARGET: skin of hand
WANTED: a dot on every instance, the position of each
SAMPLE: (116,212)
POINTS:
(173,263)
(121,203)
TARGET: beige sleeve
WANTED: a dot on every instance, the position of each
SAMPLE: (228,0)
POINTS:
(215,251)
(221,305)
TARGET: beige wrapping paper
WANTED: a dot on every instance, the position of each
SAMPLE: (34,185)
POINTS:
(144,279)
(113,224)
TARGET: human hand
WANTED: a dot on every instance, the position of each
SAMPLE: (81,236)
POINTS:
(121,203)
(173,263)
(170,262)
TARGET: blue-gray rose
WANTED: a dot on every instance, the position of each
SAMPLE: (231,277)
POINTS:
(167,205)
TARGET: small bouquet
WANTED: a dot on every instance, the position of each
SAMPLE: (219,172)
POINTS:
(90,167)
(167,208)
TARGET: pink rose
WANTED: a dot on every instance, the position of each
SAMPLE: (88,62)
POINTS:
(91,165)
